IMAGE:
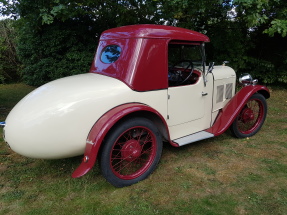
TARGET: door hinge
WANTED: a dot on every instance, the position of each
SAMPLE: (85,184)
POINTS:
(167,116)
(168,96)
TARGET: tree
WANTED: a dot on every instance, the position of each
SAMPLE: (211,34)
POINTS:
(9,64)
(266,21)
(57,38)
(268,13)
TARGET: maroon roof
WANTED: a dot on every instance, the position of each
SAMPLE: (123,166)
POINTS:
(153,31)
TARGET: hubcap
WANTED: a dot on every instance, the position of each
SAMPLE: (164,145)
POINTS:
(131,150)
(247,115)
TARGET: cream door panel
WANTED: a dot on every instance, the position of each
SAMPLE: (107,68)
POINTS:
(199,117)
(186,103)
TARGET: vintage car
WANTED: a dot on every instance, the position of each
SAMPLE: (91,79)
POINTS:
(147,85)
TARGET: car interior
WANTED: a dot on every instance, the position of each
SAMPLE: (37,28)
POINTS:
(184,62)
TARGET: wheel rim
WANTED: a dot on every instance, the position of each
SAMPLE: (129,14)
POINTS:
(133,153)
(250,117)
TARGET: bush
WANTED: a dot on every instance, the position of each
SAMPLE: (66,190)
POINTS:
(55,51)
(9,64)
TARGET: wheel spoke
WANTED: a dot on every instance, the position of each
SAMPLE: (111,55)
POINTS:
(127,136)
(140,134)
(147,139)
(250,116)
(133,152)
(121,164)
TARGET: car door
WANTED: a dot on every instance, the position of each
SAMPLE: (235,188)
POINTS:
(186,101)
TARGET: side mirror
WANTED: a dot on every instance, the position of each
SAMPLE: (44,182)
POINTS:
(209,70)
(210,67)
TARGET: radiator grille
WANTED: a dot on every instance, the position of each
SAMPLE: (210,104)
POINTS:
(228,91)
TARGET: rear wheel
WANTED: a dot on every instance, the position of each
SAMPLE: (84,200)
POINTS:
(251,118)
(131,152)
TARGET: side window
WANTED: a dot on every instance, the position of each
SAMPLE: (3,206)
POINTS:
(179,52)
(182,59)
(110,54)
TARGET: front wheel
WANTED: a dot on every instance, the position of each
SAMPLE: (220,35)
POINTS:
(251,118)
(131,152)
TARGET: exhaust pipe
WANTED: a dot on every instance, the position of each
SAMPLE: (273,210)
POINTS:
(2,124)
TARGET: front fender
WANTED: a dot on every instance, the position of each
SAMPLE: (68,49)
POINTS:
(234,106)
(100,130)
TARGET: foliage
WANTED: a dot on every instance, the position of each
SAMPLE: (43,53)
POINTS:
(266,21)
(267,59)
(197,15)
(9,64)
(58,37)
(271,14)
(55,51)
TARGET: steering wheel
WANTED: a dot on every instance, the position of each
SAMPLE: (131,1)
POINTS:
(175,74)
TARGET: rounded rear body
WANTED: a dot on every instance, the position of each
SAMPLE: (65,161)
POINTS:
(54,120)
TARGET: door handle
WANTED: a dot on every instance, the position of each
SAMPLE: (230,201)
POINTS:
(204,94)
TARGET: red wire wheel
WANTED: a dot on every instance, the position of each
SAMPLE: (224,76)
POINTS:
(131,152)
(251,118)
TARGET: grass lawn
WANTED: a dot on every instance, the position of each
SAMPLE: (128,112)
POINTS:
(222,175)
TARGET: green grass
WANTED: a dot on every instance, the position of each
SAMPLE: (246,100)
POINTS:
(223,175)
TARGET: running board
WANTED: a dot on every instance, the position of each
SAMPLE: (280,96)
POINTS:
(193,138)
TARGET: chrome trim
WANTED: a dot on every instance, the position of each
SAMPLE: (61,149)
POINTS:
(254,82)
(246,79)
(86,159)
(225,62)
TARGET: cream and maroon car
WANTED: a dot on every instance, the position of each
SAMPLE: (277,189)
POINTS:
(147,85)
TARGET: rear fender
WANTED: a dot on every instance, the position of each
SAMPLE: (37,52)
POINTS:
(100,130)
(234,106)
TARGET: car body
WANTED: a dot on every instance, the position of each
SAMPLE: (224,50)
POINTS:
(148,84)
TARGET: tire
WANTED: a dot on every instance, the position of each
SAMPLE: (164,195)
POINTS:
(131,152)
(251,118)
